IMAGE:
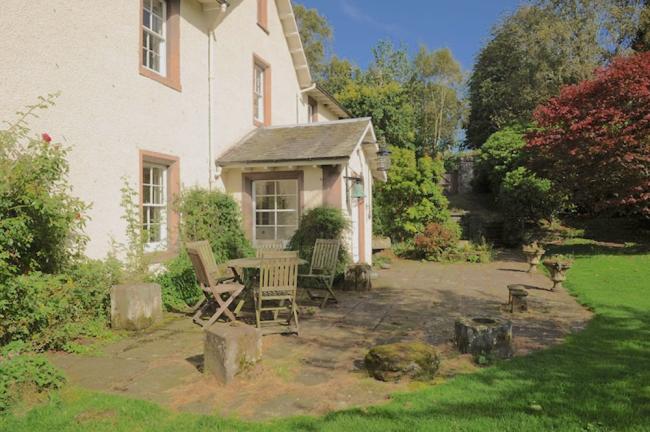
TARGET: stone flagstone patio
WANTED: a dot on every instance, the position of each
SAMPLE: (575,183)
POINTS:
(322,370)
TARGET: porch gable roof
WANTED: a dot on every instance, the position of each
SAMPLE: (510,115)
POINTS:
(332,141)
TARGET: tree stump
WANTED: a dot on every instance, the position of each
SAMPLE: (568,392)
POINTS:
(484,336)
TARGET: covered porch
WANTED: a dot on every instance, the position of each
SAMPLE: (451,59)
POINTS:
(277,173)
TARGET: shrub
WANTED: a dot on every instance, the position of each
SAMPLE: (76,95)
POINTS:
(524,199)
(436,240)
(52,311)
(178,283)
(40,222)
(21,371)
(213,216)
(411,198)
(500,154)
(593,139)
(320,223)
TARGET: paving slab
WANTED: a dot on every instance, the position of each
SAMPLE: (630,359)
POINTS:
(321,370)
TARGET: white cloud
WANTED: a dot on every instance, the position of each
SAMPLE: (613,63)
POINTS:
(352,11)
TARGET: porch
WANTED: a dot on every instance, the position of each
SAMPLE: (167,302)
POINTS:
(277,173)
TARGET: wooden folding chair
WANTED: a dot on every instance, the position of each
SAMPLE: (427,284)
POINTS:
(323,269)
(266,245)
(220,291)
(276,293)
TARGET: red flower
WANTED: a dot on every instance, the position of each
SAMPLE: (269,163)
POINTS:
(46,137)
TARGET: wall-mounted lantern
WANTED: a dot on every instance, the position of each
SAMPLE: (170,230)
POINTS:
(357,189)
(383,156)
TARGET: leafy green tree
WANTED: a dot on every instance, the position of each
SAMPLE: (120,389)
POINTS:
(642,38)
(389,64)
(500,154)
(338,74)
(316,35)
(412,196)
(539,49)
(435,93)
(389,106)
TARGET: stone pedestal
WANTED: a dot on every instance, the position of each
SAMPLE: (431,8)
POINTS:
(135,306)
(484,337)
(231,348)
(517,298)
(392,362)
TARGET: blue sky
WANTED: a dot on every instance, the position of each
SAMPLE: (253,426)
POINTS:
(461,25)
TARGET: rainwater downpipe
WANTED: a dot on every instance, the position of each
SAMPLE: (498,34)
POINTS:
(210,78)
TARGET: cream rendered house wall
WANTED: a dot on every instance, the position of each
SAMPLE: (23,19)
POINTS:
(107,111)
(237,39)
(325,114)
(358,165)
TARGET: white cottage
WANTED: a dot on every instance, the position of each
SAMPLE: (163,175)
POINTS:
(170,94)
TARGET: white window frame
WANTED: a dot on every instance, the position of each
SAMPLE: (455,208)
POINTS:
(147,202)
(259,97)
(275,210)
(147,6)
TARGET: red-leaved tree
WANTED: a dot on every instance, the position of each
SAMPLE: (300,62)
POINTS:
(593,140)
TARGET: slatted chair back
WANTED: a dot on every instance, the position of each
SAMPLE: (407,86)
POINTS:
(204,264)
(265,245)
(270,253)
(325,256)
(278,275)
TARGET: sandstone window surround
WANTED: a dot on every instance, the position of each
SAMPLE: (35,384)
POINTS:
(263,15)
(261,92)
(160,41)
(159,185)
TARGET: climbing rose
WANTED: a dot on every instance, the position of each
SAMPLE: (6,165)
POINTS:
(46,137)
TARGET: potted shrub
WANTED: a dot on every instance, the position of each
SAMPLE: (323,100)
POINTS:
(534,254)
(557,265)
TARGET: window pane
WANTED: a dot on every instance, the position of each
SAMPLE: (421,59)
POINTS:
(146,194)
(264,187)
(287,187)
(146,17)
(155,234)
(156,25)
(265,203)
(264,233)
(285,233)
(157,7)
(265,218)
(157,195)
(287,202)
(146,175)
(288,218)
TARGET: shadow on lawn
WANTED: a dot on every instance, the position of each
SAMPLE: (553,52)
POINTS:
(598,377)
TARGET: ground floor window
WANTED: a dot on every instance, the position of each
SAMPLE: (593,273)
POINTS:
(275,209)
(154,206)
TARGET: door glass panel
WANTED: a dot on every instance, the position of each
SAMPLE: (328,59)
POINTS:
(265,203)
(287,187)
(287,218)
(285,233)
(265,233)
(287,202)
(264,187)
(265,218)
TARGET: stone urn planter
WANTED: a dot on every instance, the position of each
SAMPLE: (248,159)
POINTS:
(135,306)
(483,336)
(392,362)
(534,254)
(557,267)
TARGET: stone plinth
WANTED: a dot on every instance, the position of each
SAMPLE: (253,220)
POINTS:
(392,362)
(231,348)
(484,336)
(135,306)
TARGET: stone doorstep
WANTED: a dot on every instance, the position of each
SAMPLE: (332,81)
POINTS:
(231,348)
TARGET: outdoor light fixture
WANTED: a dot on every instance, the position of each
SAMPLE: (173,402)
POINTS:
(383,156)
(357,189)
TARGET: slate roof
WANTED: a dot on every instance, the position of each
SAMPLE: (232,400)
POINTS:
(314,141)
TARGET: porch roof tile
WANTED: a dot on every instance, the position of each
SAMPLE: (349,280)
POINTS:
(306,142)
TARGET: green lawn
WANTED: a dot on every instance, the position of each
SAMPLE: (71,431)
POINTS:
(599,380)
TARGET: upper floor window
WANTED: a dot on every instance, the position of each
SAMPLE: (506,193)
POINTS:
(154,19)
(261,93)
(160,41)
(263,14)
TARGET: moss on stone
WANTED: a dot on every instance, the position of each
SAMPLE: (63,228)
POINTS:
(392,362)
